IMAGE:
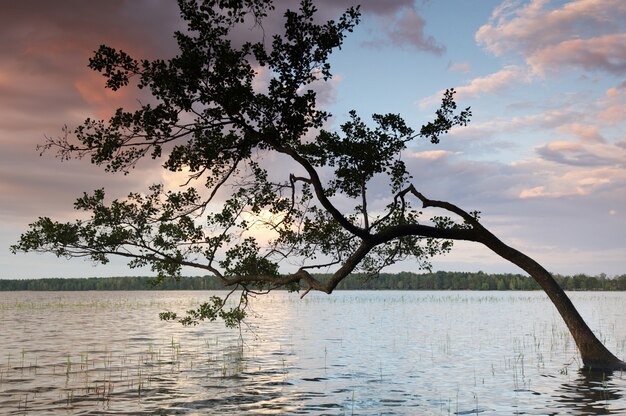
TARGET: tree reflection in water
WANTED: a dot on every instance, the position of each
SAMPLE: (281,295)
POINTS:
(591,393)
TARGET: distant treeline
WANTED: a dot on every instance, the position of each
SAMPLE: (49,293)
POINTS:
(385,281)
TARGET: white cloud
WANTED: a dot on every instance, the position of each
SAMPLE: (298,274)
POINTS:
(462,67)
(325,91)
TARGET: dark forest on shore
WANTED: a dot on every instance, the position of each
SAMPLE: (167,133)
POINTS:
(385,281)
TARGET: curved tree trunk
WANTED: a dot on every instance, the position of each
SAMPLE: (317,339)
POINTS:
(594,354)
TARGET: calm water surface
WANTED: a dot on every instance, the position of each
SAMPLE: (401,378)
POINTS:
(351,353)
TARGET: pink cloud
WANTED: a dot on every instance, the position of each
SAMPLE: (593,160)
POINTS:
(580,33)
(605,53)
(614,106)
(617,90)
(90,86)
(563,146)
(432,154)
(545,178)
(614,113)
(583,153)
(536,24)
(585,132)
(45,84)
(535,192)
(565,169)
(507,77)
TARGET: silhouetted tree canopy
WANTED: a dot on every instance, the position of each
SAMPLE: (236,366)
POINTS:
(210,121)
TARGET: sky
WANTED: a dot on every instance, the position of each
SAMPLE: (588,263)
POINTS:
(543,159)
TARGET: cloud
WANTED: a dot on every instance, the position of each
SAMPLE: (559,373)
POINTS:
(552,37)
(45,84)
(531,204)
(325,91)
(44,76)
(613,108)
(617,90)
(605,53)
(569,169)
(51,27)
(374,6)
(574,182)
(432,154)
(500,127)
(580,157)
(408,30)
(506,78)
(566,153)
(398,22)
(327,8)
(462,67)
(533,192)
(49,188)
(581,154)
(404,27)
(588,34)
(585,132)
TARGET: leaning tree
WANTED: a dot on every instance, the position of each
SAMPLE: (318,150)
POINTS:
(263,157)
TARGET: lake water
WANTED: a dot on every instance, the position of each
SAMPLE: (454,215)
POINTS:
(351,353)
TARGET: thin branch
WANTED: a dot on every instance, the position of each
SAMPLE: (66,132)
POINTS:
(223,180)
(447,206)
(320,192)
(366,222)
(398,197)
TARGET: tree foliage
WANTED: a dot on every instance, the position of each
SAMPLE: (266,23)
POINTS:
(208,119)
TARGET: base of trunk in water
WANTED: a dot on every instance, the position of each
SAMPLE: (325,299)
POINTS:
(594,354)
(603,365)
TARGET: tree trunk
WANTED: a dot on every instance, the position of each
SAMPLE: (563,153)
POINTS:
(594,354)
